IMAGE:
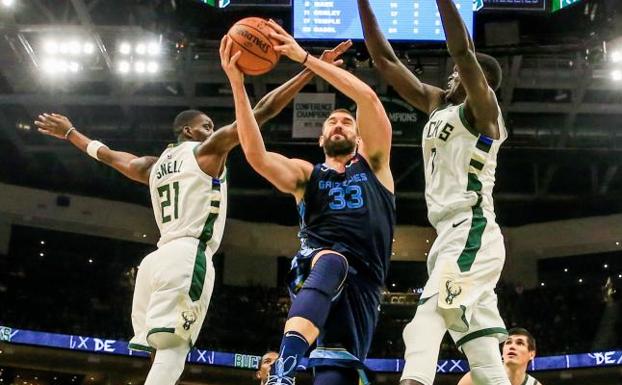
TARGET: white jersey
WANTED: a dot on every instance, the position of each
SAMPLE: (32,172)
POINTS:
(459,165)
(186,201)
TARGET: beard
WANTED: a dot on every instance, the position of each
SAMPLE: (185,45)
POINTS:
(334,148)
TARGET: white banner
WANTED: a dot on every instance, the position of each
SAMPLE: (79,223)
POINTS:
(310,112)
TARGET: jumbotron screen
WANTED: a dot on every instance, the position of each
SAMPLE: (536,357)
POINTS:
(398,19)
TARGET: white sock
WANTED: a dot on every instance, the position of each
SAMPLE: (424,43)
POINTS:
(168,365)
(485,361)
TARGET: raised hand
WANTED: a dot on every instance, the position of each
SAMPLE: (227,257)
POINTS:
(55,125)
(229,62)
(289,46)
(332,55)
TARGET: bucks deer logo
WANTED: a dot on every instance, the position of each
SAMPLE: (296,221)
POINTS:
(453,291)
(189,318)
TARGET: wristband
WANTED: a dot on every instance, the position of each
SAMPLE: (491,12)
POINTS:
(306,58)
(69,132)
(93,147)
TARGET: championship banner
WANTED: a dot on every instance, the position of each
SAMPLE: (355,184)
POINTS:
(310,112)
(249,361)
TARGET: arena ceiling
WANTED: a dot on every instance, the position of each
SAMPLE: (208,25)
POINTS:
(562,108)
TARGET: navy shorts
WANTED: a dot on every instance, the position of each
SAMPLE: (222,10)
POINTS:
(347,334)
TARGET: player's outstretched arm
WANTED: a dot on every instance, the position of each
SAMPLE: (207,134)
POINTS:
(481,102)
(288,175)
(226,138)
(422,96)
(373,123)
(132,166)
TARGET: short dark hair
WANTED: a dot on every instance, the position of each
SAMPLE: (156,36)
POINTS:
(492,69)
(531,341)
(183,119)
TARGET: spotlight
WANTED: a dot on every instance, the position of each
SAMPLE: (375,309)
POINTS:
(616,56)
(616,75)
(140,67)
(52,66)
(63,48)
(50,47)
(88,48)
(73,67)
(152,67)
(141,48)
(124,67)
(153,48)
(8,3)
(125,48)
(75,47)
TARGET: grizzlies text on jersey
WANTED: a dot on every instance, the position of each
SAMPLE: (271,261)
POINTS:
(351,213)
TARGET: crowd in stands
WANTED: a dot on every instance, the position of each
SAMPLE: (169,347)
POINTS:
(89,292)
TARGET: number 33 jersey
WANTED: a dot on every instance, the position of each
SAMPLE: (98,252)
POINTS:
(351,213)
(459,165)
(186,201)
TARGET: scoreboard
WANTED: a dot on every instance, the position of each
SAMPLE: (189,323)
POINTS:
(398,19)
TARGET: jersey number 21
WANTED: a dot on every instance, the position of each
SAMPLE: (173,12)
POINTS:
(165,200)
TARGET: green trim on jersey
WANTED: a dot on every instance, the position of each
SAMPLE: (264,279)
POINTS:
(161,330)
(200,260)
(478,225)
(480,333)
(474,240)
(139,347)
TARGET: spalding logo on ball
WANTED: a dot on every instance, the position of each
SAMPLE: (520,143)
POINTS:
(252,36)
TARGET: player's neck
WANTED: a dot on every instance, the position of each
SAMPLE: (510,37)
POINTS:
(338,162)
(516,374)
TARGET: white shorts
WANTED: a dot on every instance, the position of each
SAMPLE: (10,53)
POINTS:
(173,288)
(464,266)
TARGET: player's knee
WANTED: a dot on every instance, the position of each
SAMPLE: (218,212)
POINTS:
(485,361)
(328,274)
(164,340)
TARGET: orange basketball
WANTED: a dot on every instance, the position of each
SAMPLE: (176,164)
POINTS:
(252,36)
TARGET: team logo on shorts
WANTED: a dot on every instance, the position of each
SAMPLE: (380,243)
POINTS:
(453,291)
(189,318)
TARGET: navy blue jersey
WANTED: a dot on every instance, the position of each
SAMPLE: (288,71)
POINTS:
(351,213)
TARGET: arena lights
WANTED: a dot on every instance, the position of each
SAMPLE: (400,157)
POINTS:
(616,75)
(8,3)
(60,66)
(142,48)
(616,56)
(139,57)
(72,47)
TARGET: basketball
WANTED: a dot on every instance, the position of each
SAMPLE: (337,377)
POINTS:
(252,36)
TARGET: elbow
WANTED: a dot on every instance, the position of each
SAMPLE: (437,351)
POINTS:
(385,64)
(255,159)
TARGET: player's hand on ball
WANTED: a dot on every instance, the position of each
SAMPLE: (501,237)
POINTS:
(229,62)
(332,55)
(289,46)
(53,125)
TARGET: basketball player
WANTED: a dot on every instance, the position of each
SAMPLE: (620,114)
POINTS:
(460,144)
(347,215)
(518,350)
(188,186)
(267,360)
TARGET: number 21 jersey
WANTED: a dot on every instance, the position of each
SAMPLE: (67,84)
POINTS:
(186,201)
